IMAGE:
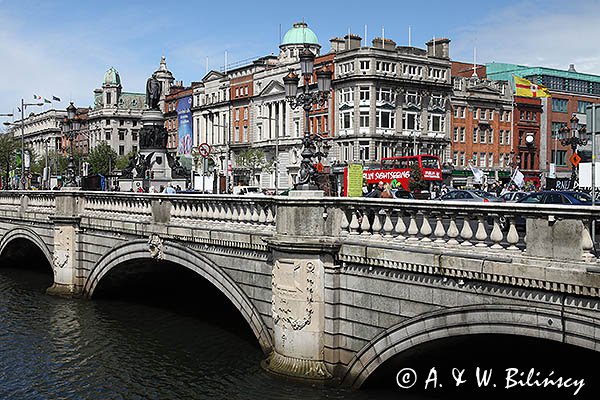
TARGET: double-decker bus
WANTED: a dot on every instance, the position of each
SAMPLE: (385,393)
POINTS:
(396,170)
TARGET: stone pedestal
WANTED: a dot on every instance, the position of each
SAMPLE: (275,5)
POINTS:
(303,248)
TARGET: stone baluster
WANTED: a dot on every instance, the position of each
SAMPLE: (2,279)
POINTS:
(344,223)
(513,236)
(452,231)
(496,234)
(388,227)
(354,224)
(466,233)
(400,227)
(262,216)
(481,234)
(439,231)
(587,245)
(270,215)
(425,228)
(364,224)
(254,217)
(376,227)
(229,212)
(413,229)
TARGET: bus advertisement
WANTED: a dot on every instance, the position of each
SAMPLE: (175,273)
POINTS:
(396,171)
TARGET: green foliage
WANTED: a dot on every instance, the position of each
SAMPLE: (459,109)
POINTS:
(123,161)
(102,159)
(254,160)
(8,150)
(416,182)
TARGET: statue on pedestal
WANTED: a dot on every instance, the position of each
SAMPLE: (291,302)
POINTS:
(153,89)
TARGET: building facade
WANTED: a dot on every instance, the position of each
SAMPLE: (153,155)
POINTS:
(571,92)
(390,100)
(481,128)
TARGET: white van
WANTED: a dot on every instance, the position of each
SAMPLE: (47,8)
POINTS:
(250,190)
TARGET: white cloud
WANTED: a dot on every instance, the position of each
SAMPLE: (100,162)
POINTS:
(550,34)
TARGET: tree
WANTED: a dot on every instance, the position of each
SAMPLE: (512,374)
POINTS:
(9,147)
(416,182)
(254,160)
(102,159)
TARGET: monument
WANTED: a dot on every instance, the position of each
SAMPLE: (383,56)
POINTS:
(153,166)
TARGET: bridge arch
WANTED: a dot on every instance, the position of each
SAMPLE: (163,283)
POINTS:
(197,262)
(28,234)
(468,320)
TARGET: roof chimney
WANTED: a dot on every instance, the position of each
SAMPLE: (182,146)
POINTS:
(572,68)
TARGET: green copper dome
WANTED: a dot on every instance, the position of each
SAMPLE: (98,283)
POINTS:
(300,34)
(111,77)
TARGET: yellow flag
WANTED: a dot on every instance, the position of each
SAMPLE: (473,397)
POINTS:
(525,88)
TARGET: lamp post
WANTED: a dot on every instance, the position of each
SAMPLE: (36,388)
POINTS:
(71,126)
(578,137)
(24,105)
(306,100)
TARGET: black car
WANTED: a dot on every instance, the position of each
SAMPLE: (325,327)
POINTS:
(402,194)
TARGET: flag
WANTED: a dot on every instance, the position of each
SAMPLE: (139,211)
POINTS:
(518,178)
(36,97)
(55,98)
(525,88)
(477,174)
(47,101)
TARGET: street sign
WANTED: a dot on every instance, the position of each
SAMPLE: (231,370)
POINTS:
(204,149)
(575,159)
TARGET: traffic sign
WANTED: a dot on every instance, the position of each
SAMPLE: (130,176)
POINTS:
(575,159)
(204,149)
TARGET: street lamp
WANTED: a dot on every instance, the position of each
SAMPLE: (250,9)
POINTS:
(311,146)
(24,105)
(71,126)
(578,137)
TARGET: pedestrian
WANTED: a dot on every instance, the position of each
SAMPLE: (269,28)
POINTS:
(377,190)
(387,192)
(169,189)
(152,189)
(139,188)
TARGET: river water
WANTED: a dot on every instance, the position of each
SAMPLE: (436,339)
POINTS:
(55,348)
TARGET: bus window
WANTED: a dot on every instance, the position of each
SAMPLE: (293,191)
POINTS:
(430,163)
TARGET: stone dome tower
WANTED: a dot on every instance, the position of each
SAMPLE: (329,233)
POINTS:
(296,39)
(111,88)
(165,77)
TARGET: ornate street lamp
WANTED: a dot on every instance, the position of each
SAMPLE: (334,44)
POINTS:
(313,145)
(578,137)
(71,126)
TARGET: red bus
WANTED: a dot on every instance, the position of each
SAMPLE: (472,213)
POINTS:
(396,170)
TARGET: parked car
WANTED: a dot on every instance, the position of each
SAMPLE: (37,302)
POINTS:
(402,194)
(471,195)
(512,197)
(565,197)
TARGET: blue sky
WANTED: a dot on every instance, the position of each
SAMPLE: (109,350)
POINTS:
(63,48)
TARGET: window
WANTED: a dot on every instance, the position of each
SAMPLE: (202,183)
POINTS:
(462,158)
(475,113)
(383,66)
(411,98)
(412,70)
(245,112)
(582,105)
(482,159)
(410,121)
(121,150)
(474,159)
(385,94)
(462,134)
(134,135)
(134,149)
(491,115)
(364,119)
(456,110)
(437,122)
(436,73)
(134,124)
(108,122)
(462,112)
(490,159)
(347,67)
(346,118)
(501,137)
(483,115)
(347,95)
(491,136)
(121,122)
(475,134)
(507,137)
(107,135)
(455,137)
(365,65)
(296,127)
(559,105)
(559,157)
(507,117)
(121,135)
(108,99)
(386,119)
(363,151)
(482,136)
(364,94)
(455,158)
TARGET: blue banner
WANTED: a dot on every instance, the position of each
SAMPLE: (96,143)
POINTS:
(184,120)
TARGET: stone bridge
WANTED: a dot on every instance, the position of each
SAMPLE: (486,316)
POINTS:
(334,287)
